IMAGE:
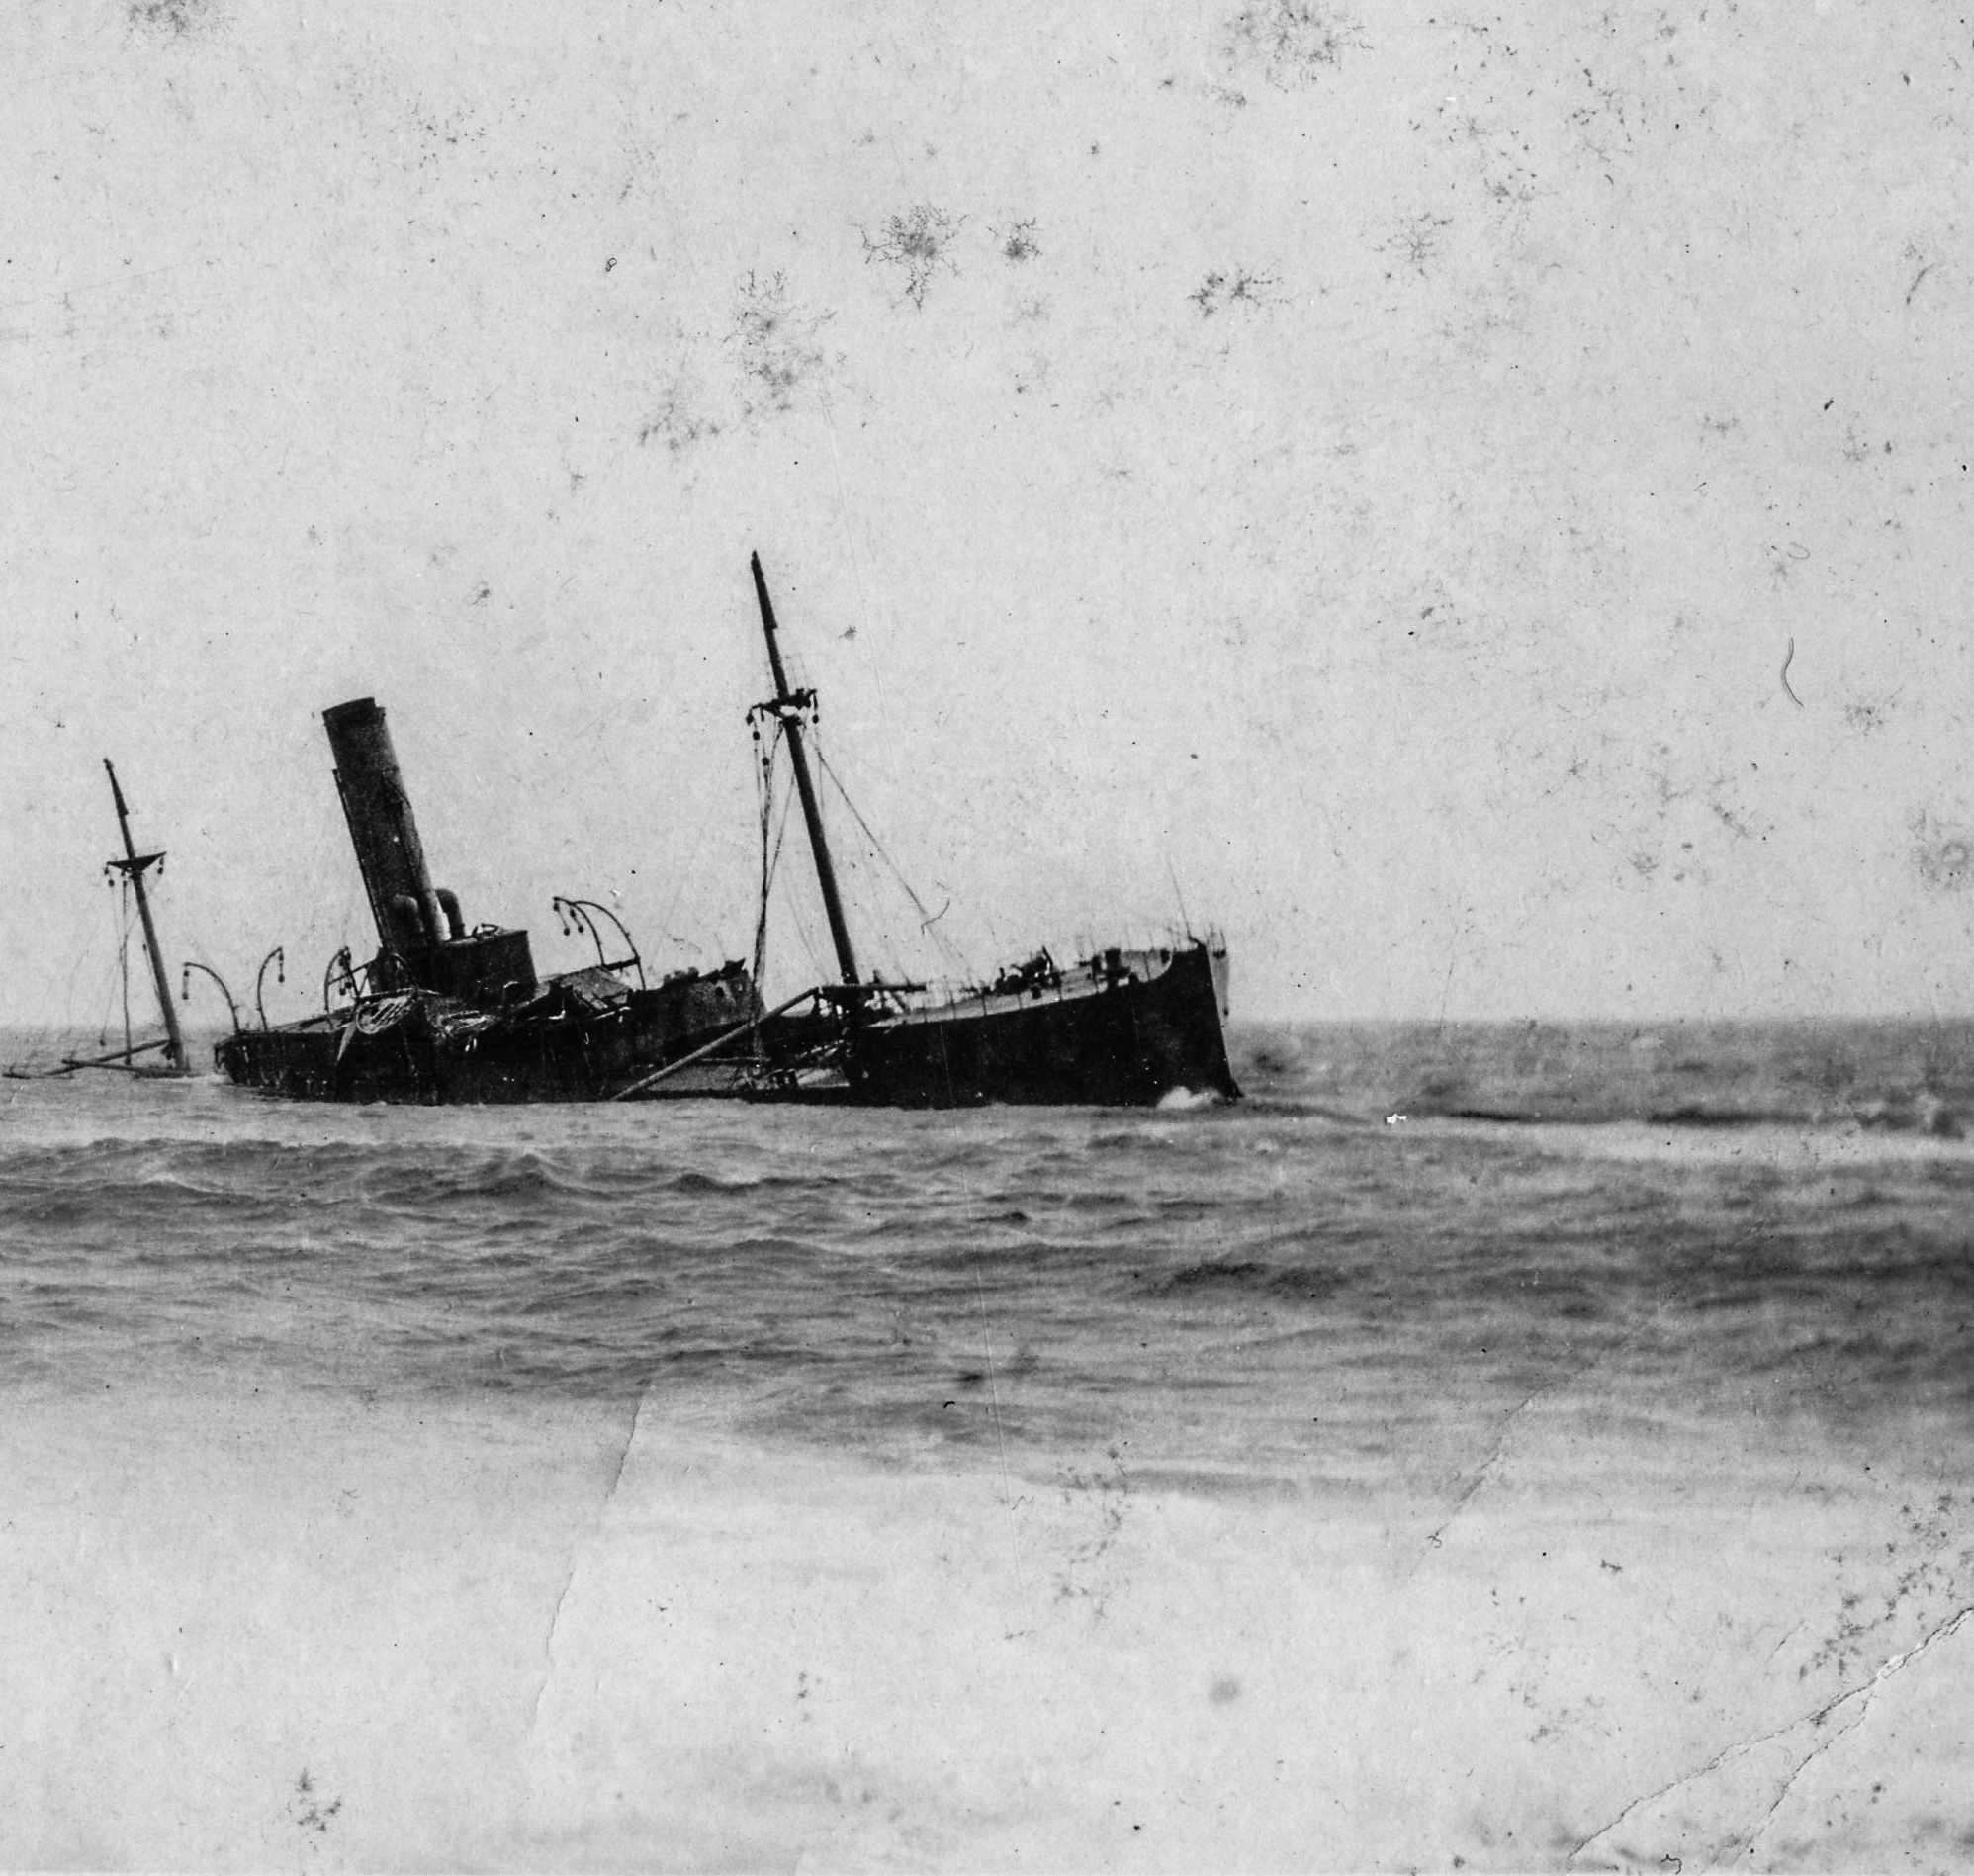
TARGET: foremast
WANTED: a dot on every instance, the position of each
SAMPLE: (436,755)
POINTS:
(133,865)
(787,707)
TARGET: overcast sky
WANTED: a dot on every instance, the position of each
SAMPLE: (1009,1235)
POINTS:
(1472,501)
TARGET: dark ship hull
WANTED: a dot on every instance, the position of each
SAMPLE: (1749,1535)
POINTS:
(1124,1029)
(582,1039)
(442,1013)
(1121,1030)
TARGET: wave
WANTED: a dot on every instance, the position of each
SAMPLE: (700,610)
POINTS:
(1774,1207)
(1923,1114)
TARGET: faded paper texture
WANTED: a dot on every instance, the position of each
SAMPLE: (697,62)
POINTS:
(1474,501)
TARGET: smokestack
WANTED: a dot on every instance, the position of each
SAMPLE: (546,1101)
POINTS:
(383,829)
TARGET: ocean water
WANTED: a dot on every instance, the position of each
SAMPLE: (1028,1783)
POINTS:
(1198,1446)
(1712,1210)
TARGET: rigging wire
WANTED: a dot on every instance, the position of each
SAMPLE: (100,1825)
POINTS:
(1044,853)
(85,954)
(124,962)
(116,936)
(763,795)
(771,846)
(819,971)
(64,1025)
(771,856)
(927,920)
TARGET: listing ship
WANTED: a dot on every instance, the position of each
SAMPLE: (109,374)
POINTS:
(1126,1026)
(444,1013)
(162,1058)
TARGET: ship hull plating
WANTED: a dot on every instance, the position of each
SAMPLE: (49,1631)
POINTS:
(578,1041)
(1127,1029)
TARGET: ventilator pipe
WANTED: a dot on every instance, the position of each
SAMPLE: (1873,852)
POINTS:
(184,989)
(279,959)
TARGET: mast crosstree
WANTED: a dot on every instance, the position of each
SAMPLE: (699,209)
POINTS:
(133,865)
(787,707)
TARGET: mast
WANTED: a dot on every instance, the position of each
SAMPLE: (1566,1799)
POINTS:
(788,706)
(133,866)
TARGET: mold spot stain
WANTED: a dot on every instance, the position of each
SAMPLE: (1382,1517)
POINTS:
(312,1814)
(1415,243)
(1242,288)
(181,17)
(676,422)
(1292,41)
(777,340)
(1018,242)
(917,243)
(1088,1570)
(1943,857)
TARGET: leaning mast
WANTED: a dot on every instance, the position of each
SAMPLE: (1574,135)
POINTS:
(788,705)
(133,865)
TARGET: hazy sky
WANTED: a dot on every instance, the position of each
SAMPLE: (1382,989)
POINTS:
(1474,501)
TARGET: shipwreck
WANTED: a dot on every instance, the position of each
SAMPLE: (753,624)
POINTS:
(447,1013)
(443,1012)
(1122,1027)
